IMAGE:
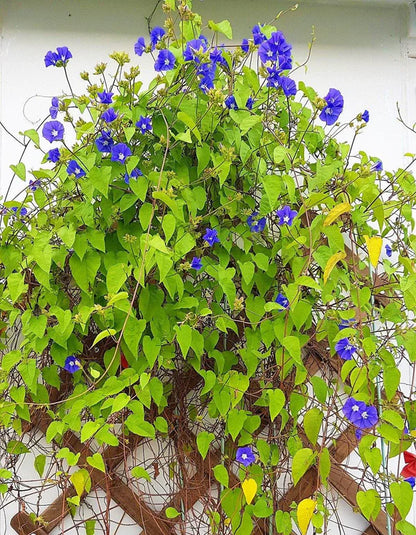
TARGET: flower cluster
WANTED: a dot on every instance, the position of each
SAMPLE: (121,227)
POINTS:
(334,106)
(59,58)
(359,414)
(345,349)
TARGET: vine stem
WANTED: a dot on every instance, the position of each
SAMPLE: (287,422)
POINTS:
(380,414)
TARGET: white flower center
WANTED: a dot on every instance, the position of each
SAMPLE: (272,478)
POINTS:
(348,347)
(54,133)
(77,170)
(355,408)
(167,61)
(244,456)
(364,415)
(121,156)
(286,218)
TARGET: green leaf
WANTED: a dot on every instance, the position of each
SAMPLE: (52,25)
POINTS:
(168,226)
(184,337)
(133,333)
(203,441)
(171,512)
(292,344)
(302,460)
(15,447)
(273,187)
(324,465)
(221,475)
(39,464)
(19,170)
(405,527)
(103,334)
(277,401)
(100,178)
(90,527)
(402,494)
(97,461)
(312,424)
(84,271)
(33,135)
(369,502)
(222,27)
(140,473)
(16,285)
(116,277)
(81,481)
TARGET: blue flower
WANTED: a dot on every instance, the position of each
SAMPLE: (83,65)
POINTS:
(54,155)
(388,250)
(193,48)
(134,174)
(231,103)
(196,263)
(268,52)
(105,142)
(365,116)
(411,481)
(345,324)
(145,124)
(334,107)
(211,236)
(53,131)
(165,61)
(250,103)
(288,85)
(156,35)
(256,225)
(34,184)
(207,72)
(140,46)
(22,211)
(245,46)
(286,215)
(109,115)
(358,434)
(75,169)
(53,110)
(378,166)
(282,300)
(120,152)
(345,349)
(273,80)
(245,456)
(105,97)
(217,57)
(72,364)
(258,35)
(276,49)
(359,414)
(59,58)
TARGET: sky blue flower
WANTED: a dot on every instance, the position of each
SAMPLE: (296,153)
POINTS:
(378,166)
(255,224)
(54,155)
(334,107)
(134,174)
(105,142)
(211,236)
(245,45)
(120,152)
(53,110)
(72,364)
(231,103)
(193,48)
(74,168)
(288,85)
(196,263)
(105,97)
(59,58)
(245,456)
(258,35)
(53,131)
(165,61)
(365,116)
(140,46)
(286,215)
(144,124)
(109,115)
(345,349)
(389,250)
(156,35)
(250,103)
(282,300)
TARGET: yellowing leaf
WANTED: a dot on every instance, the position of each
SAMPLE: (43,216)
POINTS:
(342,208)
(332,262)
(249,487)
(374,248)
(304,513)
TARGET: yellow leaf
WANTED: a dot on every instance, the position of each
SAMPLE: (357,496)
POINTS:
(332,263)
(342,208)
(374,248)
(249,487)
(304,513)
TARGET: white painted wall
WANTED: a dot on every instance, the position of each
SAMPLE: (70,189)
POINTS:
(361,48)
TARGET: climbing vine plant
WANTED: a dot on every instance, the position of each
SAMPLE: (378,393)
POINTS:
(212,225)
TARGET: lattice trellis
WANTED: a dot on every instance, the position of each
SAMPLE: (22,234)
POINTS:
(156,523)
